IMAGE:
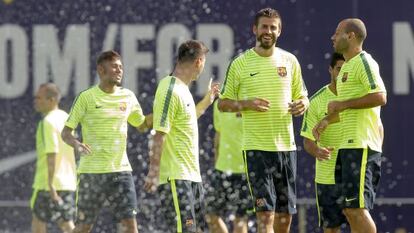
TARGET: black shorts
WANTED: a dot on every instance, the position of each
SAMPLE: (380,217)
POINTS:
(49,211)
(328,201)
(358,171)
(182,205)
(94,190)
(272,180)
(228,193)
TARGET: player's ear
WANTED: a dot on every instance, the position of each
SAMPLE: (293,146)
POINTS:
(99,68)
(254,29)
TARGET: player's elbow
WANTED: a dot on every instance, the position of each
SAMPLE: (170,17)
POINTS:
(65,134)
(221,105)
(383,99)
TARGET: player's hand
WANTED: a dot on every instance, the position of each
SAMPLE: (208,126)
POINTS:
(319,128)
(323,153)
(258,104)
(298,107)
(151,181)
(335,107)
(213,91)
(83,149)
(55,196)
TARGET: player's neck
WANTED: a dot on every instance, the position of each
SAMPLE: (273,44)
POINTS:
(332,87)
(184,74)
(352,52)
(107,88)
(49,110)
(264,52)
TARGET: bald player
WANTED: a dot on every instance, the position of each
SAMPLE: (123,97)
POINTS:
(361,93)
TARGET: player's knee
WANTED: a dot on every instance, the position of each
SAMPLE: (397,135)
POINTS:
(283,218)
(353,213)
(83,228)
(266,217)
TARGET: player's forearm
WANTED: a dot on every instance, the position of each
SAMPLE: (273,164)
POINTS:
(147,124)
(51,161)
(216,146)
(202,106)
(310,146)
(228,105)
(68,137)
(156,152)
(367,101)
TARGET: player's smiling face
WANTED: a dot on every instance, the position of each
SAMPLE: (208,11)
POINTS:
(111,72)
(267,31)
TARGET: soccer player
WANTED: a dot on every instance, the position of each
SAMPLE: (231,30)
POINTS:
(229,192)
(174,156)
(361,92)
(54,186)
(325,152)
(265,84)
(104,170)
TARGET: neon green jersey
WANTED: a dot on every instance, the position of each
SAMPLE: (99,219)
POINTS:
(361,127)
(318,108)
(175,115)
(230,154)
(276,78)
(48,140)
(104,118)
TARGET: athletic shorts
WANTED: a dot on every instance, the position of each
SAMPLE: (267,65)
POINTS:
(272,180)
(49,211)
(328,200)
(358,171)
(182,205)
(228,193)
(116,188)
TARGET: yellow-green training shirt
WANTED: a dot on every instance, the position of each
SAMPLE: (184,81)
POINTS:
(48,140)
(104,119)
(175,115)
(318,109)
(277,78)
(230,153)
(361,127)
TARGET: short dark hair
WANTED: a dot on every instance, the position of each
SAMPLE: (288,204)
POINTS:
(356,26)
(110,55)
(52,91)
(269,13)
(190,50)
(335,58)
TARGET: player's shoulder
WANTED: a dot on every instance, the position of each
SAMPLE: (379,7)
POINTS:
(243,56)
(285,55)
(125,91)
(88,92)
(55,116)
(319,94)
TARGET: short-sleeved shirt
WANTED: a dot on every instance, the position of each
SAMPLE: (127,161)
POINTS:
(230,153)
(361,127)
(48,141)
(331,137)
(276,78)
(175,115)
(104,119)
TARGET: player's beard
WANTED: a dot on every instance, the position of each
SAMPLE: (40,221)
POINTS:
(266,45)
(341,46)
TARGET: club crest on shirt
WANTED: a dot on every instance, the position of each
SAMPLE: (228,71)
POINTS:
(281,71)
(344,77)
(122,106)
